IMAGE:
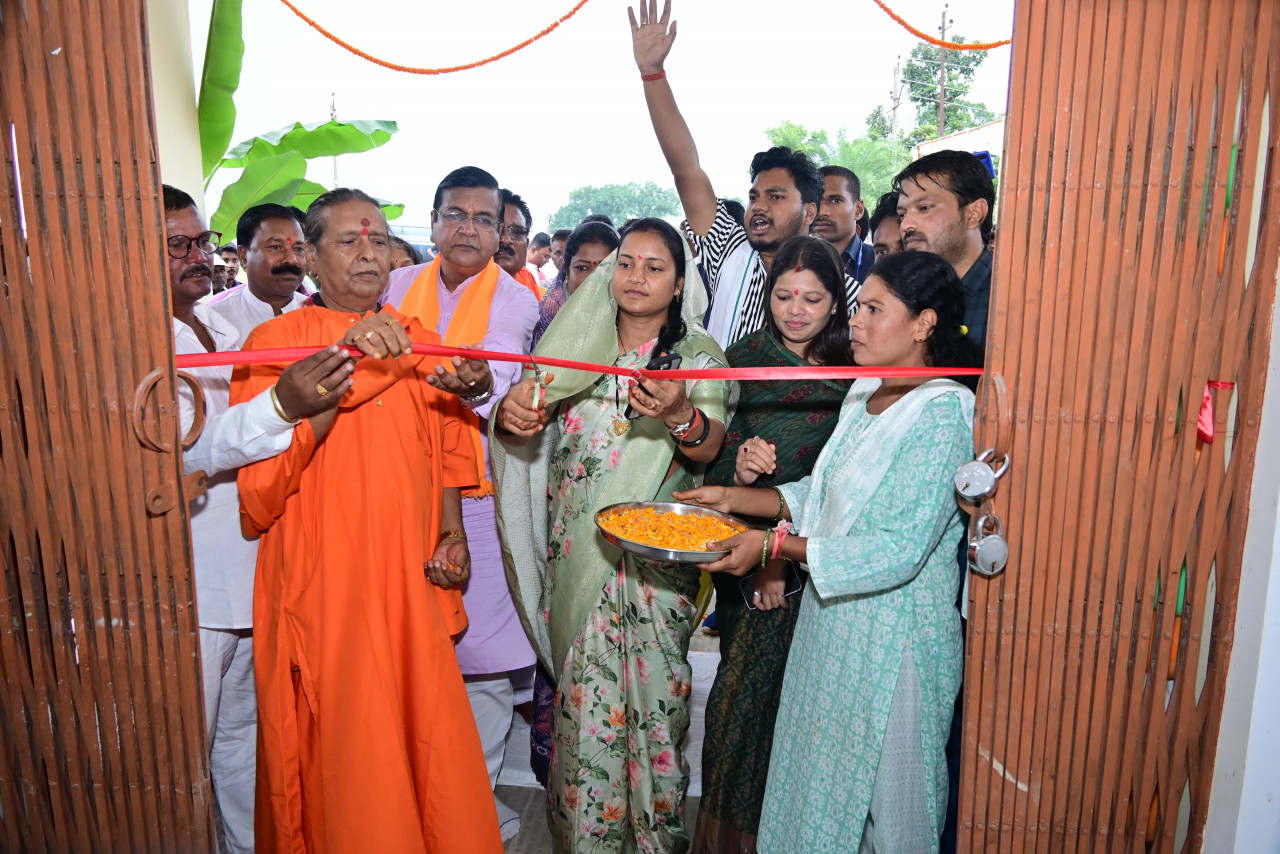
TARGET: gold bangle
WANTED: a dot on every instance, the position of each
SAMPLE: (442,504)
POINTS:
(275,401)
(454,535)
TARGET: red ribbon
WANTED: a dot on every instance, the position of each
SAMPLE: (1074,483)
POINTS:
(293,354)
(1205,425)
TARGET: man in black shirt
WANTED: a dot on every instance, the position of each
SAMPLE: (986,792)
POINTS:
(945,200)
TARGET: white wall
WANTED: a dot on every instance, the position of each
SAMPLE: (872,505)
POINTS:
(173,94)
(1244,805)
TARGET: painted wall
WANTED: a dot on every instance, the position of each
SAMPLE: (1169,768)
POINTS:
(1244,806)
(173,93)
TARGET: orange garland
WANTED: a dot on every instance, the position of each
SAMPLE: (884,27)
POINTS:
(937,42)
(410,69)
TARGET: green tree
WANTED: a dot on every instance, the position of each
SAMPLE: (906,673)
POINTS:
(921,75)
(879,126)
(620,202)
(874,160)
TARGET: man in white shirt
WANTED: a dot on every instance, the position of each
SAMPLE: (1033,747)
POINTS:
(273,255)
(224,560)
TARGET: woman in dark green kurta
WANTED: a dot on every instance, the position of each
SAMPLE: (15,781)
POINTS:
(807,323)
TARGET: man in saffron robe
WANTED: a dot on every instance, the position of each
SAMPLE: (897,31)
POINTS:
(366,741)
(467,297)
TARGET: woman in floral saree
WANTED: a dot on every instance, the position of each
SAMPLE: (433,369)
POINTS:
(613,628)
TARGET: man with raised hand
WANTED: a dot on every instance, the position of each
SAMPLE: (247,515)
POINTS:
(786,189)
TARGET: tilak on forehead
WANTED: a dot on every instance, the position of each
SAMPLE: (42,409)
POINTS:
(364,221)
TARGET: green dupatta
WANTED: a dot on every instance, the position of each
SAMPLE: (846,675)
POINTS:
(585,329)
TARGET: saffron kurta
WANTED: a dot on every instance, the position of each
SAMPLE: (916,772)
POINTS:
(366,739)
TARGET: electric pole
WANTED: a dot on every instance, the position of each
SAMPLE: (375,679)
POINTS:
(895,95)
(942,75)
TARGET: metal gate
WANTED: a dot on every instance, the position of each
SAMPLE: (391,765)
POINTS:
(101,725)
(1139,221)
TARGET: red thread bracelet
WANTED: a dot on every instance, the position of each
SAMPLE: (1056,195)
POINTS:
(649,78)
(781,532)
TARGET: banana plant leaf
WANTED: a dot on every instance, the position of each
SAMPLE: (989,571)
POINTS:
(271,179)
(223,57)
(319,139)
(309,191)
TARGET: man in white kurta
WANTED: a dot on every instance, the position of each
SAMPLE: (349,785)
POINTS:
(272,253)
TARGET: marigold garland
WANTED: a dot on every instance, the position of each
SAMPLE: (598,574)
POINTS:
(937,42)
(409,69)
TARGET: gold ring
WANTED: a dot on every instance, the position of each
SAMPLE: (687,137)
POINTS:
(368,334)
(321,390)
(473,382)
(388,322)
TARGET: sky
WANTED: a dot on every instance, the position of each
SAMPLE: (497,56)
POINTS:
(569,110)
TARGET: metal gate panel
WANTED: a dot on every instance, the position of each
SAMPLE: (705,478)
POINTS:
(1136,269)
(101,724)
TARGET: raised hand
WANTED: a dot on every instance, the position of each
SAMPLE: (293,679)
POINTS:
(651,39)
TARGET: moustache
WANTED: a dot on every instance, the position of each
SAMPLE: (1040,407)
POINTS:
(281,269)
(197,270)
(504,249)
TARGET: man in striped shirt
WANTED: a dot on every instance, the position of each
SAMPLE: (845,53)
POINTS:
(786,189)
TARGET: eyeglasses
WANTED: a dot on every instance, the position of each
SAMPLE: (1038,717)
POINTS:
(455,220)
(179,244)
(515,232)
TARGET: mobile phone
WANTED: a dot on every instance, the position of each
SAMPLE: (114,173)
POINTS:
(793,583)
(669,362)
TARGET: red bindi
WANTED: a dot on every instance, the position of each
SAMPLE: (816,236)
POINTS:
(797,292)
(364,221)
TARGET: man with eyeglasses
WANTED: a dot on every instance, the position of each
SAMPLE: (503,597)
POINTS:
(471,301)
(513,242)
(225,560)
(273,253)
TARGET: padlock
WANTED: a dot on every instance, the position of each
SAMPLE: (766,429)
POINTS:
(988,553)
(976,480)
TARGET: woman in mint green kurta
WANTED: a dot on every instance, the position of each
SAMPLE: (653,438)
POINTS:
(858,763)
(614,630)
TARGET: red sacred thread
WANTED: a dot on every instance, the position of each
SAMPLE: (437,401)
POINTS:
(409,69)
(292,354)
(937,42)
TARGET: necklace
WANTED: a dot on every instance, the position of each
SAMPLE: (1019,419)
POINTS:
(620,423)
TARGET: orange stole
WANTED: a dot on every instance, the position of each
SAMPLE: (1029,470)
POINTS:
(524,277)
(468,327)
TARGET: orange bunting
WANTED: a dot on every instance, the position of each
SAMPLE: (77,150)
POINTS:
(676,531)
(937,42)
(409,69)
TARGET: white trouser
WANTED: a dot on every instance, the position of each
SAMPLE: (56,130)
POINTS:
(492,702)
(231,725)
